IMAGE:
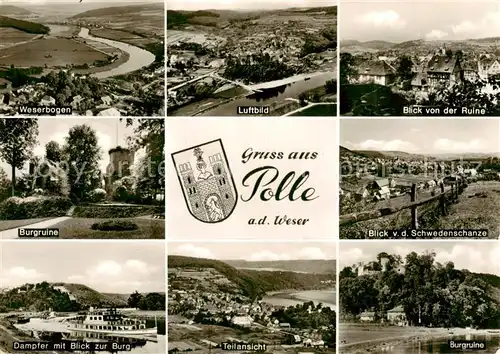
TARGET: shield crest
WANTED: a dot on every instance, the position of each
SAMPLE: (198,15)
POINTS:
(206,181)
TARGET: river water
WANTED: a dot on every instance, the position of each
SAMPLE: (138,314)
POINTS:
(139,347)
(440,346)
(326,297)
(272,95)
(139,58)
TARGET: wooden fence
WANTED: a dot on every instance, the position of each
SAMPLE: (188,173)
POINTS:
(445,197)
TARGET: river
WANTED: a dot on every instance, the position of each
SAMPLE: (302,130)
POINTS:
(272,95)
(439,346)
(326,297)
(139,347)
(138,57)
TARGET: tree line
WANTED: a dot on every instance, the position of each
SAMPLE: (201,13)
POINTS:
(80,155)
(432,294)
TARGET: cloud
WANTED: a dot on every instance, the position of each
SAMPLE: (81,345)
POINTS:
(447,145)
(350,256)
(269,256)
(387,18)
(486,26)
(464,27)
(312,253)
(479,258)
(107,269)
(476,260)
(436,34)
(19,275)
(386,145)
(195,251)
(136,266)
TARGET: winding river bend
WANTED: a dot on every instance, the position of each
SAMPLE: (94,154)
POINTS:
(138,57)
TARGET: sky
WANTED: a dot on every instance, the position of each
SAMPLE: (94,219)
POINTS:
(479,257)
(243,4)
(106,266)
(110,132)
(432,20)
(423,136)
(255,251)
(261,135)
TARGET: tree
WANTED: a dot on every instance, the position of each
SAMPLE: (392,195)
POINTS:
(53,151)
(18,137)
(347,68)
(134,299)
(404,72)
(4,185)
(150,135)
(82,152)
(152,302)
(302,99)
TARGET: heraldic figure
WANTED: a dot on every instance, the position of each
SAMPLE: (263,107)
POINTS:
(208,188)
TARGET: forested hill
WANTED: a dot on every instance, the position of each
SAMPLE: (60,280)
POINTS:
(314,266)
(25,26)
(121,10)
(9,10)
(45,296)
(445,296)
(254,283)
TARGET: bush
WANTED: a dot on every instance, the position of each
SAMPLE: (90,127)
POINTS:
(115,225)
(108,212)
(15,208)
(98,195)
(38,191)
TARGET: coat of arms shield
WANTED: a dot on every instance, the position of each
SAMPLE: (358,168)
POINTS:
(206,181)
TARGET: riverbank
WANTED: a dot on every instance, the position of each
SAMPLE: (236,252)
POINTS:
(10,334)
(317,296)
(136,59)
(362,338)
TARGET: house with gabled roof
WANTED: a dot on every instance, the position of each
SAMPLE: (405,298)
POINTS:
(488,66)
(381,188)
(470,70)
(444,70)
(397,316)
(377,72)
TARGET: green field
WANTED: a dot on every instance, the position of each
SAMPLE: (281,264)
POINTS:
(26,26)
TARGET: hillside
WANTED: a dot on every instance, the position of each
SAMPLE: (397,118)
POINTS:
(26,26)
(253,283)
(44,296)
(301,266)
(9,10)
(494,282)
(345,152)
(209,17)
(374,154)
(120,10)
(91,297)
(348,45)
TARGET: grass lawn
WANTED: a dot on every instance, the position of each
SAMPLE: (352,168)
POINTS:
(477,208)
(80,228)
(12,224)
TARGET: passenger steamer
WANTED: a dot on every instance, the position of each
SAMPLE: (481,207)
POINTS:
(109,322)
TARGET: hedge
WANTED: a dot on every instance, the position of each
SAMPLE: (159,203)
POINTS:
(109,212)
(115,225)
(15,208)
